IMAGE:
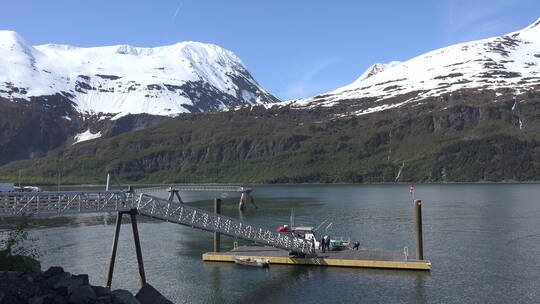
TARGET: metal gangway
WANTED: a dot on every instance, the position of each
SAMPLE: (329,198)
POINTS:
(194,187)
(174,189)
(41,204)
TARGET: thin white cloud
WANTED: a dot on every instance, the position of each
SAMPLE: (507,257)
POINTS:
(305,86)
(178,8)
(472,19)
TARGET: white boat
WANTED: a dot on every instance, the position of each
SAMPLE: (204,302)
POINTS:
(10,187)
(27,189)
(308,233)
(251,261)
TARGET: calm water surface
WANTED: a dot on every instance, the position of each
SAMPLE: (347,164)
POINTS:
(483,241)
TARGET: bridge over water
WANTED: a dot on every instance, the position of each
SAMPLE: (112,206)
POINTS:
(45,204)
(139,202)
(41,204)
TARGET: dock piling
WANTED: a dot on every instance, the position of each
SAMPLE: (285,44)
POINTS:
(217,235)
(242,201)
(108,187)
(418,219)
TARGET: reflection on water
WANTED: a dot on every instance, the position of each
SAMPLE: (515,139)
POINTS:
(483,242)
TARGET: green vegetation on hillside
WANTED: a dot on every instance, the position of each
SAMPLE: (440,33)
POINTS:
(467,139)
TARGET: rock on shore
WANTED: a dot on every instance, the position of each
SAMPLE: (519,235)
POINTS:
(56,286)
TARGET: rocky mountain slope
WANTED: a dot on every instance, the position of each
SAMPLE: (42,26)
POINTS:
(469,138)
(59,94)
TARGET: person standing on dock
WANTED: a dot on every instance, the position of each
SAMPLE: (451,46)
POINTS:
(327,242)
(321,244)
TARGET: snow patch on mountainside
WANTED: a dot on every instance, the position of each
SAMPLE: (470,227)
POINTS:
(86,135)
(122,79)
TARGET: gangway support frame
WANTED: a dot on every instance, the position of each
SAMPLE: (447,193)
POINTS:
(172,193)
(133,214)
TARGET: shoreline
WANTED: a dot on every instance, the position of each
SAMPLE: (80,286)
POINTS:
(286,184)
(58,286)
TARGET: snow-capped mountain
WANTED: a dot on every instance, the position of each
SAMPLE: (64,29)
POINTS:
(121,80)
(509,61)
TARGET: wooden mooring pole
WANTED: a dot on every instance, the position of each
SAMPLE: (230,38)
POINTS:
(242,201)
(217,235)
(418,219)
(108,187)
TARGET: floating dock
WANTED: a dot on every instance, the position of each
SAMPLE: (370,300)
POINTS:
(345,258)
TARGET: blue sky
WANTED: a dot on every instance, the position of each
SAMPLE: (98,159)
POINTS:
(295,49)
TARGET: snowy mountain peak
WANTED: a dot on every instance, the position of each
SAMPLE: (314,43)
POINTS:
(508,61)
(12,41)
(11,38)
(123,79)
(376,69)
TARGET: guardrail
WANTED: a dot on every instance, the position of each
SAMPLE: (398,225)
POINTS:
(184,187)
(15,204)
(198,218)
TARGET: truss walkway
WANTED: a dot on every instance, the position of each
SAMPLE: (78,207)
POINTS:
(69,203)
(188,187)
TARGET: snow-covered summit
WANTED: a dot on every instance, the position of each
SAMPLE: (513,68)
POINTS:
(13,41)
(375,69)
(123,79)
(508,61)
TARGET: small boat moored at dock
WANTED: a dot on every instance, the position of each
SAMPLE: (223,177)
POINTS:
(251,261)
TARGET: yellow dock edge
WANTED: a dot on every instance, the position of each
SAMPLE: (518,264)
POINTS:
(412,265)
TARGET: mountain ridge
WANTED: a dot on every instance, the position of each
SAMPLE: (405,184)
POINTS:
(507,61)
(123,79)
(54,95)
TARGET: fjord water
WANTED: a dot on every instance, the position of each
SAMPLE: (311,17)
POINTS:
(483,241)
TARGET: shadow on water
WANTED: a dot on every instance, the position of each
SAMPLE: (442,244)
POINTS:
(287,277)
(62,221)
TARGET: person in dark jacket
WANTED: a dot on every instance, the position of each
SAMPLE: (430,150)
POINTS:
(321,244)
(327,242)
